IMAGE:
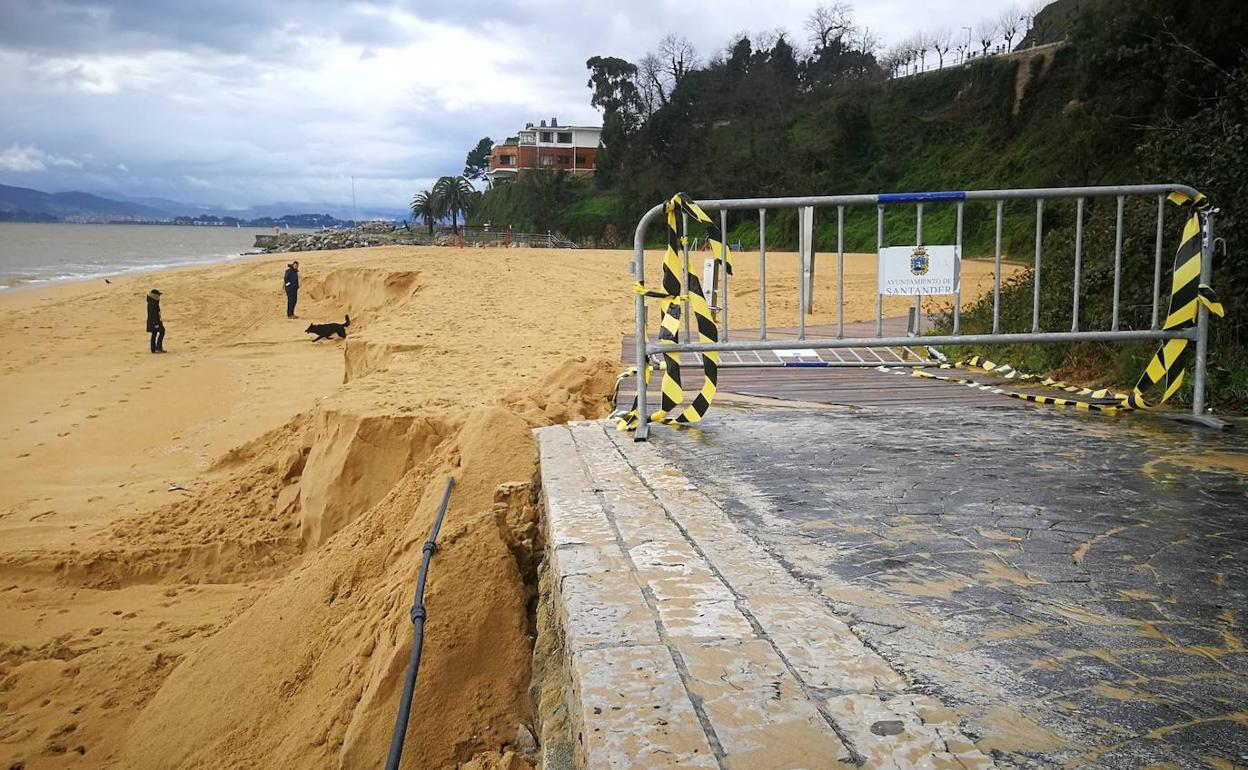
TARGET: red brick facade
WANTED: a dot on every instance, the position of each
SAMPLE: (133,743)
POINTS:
(524,157)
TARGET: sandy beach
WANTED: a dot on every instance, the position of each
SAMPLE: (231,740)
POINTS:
(207,557)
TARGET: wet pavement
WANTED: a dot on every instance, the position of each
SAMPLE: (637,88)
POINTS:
(1074,587)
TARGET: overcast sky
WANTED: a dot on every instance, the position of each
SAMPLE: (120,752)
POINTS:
(240,102)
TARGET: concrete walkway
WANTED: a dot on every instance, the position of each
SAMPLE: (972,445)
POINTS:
(910,588)
(689,645)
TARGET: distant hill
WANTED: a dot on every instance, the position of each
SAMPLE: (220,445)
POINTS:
(16,200)
(174,208)
(26,205)
(335,210)
(268,210)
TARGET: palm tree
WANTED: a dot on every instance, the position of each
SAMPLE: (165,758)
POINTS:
(454,195)
(425,206)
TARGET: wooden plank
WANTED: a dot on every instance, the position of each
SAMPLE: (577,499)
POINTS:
(850,386)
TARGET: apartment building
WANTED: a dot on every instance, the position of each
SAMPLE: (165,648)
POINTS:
(545,146)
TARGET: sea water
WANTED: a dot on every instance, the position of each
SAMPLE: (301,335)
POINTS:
(39,253)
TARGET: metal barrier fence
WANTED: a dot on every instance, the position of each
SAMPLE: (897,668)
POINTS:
(840,203)
(504,236)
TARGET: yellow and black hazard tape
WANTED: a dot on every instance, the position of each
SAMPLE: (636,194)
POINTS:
(1111,402)
(1168,364)
(671,302)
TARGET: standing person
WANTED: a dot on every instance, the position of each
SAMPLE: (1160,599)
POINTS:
(291,282)
(154,324)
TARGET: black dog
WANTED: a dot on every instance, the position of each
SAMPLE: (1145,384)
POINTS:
(325,331)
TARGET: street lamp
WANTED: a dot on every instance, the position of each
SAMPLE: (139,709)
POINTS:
(968,42)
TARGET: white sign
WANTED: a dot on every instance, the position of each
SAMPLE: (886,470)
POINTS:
(710,287)
(911,270)
(797,353)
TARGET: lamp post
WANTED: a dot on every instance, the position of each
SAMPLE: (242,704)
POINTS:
(968,43)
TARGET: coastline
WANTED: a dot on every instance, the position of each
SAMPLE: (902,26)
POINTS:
(22,285)
(37,254)
(138,272)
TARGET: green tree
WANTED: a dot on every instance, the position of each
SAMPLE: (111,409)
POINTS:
(547,192)
(454,196)
(478,159)
(614,83)
(425,208)
(739,54)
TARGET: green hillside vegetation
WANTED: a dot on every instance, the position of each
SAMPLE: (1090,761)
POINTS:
(1140,91)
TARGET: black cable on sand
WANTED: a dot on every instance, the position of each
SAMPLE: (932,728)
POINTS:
(418,624)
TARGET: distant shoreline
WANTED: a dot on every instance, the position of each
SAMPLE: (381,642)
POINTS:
(246,224)
(24,287)
(34,255)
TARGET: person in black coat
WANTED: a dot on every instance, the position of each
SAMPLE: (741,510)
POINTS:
(154,324)
(291,284)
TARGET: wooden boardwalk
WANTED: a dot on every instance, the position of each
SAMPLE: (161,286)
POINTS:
(847,386)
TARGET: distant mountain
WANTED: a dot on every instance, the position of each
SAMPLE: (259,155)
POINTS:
(24,204)
(174,208)
(15,200)
(334,210)
(268,210)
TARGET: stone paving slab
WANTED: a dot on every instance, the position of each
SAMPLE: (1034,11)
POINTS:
(771,676)
(1063,590)
(628,706)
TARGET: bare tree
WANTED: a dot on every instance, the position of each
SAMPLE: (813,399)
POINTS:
(677,56)
(829,23)
(1033,10)
(986,31)
(942,41)
(766,40)
(651,84)
(921,44)
(867,43)
(1007,25)
(909,56)
(896,58)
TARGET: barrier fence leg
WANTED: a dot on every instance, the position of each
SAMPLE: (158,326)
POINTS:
(1202,325)
(1201,364)
(643,410)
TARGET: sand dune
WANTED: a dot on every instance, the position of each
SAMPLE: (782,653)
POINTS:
(206,558)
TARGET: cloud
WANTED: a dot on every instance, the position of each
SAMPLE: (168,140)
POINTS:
(237,102)
(23,159)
